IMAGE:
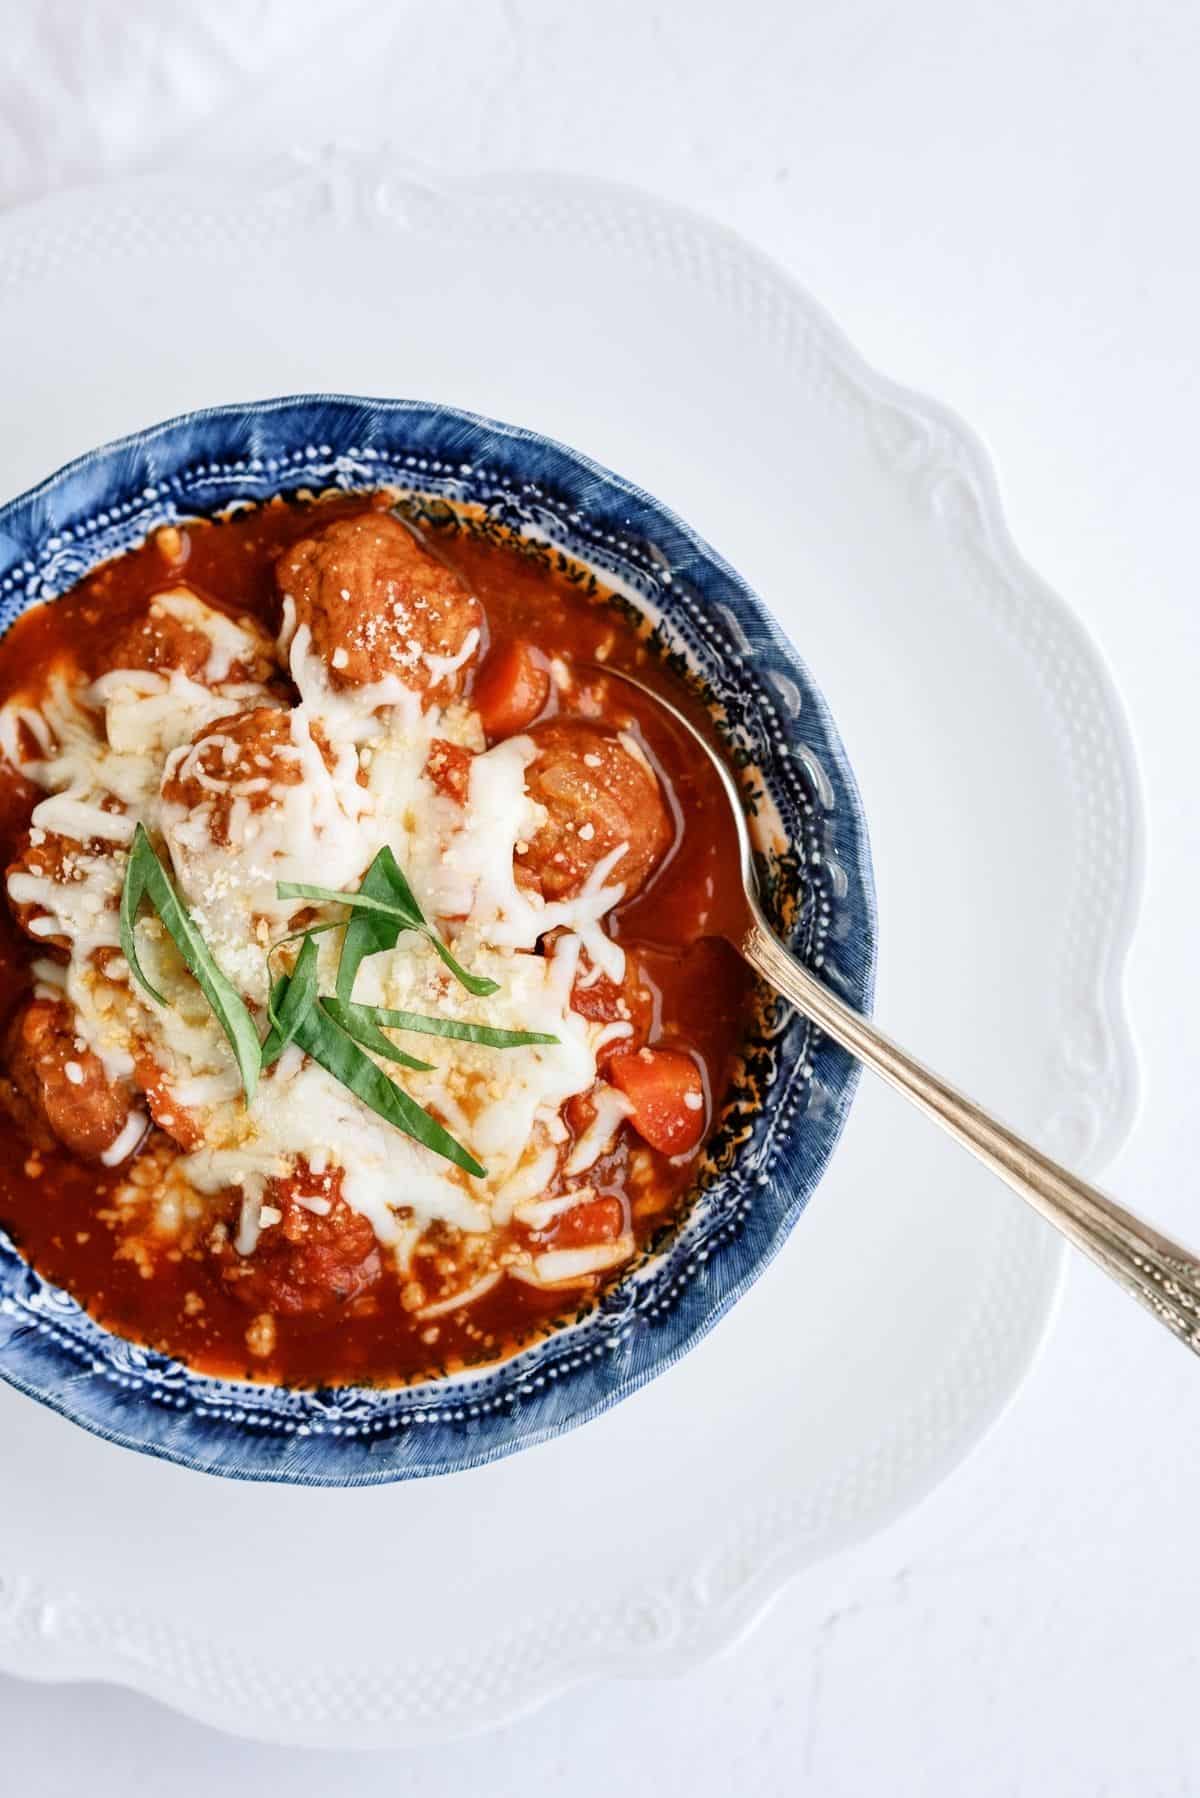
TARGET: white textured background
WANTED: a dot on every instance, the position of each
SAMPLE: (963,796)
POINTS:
(999,204)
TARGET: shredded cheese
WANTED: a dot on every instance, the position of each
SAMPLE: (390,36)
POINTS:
(108,755)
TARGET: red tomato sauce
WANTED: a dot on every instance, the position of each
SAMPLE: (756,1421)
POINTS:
(694,993)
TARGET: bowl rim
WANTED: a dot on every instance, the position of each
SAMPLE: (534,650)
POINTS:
(472,1447)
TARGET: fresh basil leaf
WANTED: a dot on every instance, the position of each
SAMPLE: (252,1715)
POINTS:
(405,898)
(319,1036)
(397,882)
(145,877)
(383,906)
(368,934)
(295,889)
(295,936)
(366,1032)
(479,984)
(467,1033)
(133,891)
(290,1000)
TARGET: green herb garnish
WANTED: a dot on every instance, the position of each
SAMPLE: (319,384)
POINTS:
(478,984)
(365,1031)
(328,1044)
(146,878)
(298,1000)
(467,1033)
(298,889)
(367,934)
(383,906)
(334,1032)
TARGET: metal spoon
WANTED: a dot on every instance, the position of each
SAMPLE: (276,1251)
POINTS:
(1164,1277)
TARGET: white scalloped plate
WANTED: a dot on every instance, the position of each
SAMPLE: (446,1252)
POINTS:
(1000,791)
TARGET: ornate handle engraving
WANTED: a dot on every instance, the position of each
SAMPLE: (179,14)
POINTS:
(1164,1277)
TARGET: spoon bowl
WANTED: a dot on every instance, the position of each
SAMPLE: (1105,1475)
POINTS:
(1163,1276)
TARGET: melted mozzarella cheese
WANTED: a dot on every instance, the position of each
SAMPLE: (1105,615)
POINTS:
(571,1267)
(478,873)
(387,1177)
(229,642)
(105,753)
(494,1100)
(350,713)
(612,1108)
(319,827)
(151,714)
(81,907)
(441,667)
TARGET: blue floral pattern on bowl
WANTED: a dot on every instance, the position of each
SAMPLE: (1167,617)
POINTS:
(771,1154)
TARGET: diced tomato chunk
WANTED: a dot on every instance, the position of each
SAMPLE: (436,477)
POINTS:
(579,1111)
(602,1001)
(448,766)
(596,1220)
(667,1094)
(512,688)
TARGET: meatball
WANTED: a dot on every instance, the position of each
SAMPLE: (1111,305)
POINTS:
(601,795)
(43,855)
(240,760)
(183,634)
(378,604)
(59,1089)
(306,1262)
(172,1118)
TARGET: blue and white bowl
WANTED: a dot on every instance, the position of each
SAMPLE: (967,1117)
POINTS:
(761,1173)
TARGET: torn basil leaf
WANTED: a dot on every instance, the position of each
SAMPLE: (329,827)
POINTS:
(146,878)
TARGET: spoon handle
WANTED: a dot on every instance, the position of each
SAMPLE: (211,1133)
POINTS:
(1158,1272)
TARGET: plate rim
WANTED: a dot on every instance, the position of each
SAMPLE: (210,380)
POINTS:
(35,1656)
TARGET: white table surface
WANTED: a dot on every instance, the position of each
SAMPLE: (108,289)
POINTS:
(995,203)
